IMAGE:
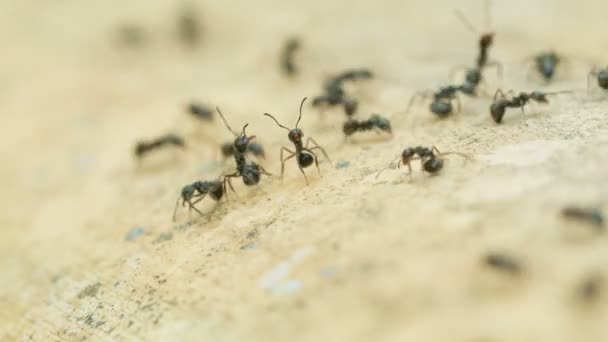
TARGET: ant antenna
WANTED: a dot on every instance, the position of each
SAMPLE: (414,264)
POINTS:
(275,120)
(560,92)
(226,122)
(465,21)
(244,128)
(299,117)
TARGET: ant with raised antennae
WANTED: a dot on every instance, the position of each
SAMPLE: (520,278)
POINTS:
(249,171)
(430,159)
(601,75)
(474,76)
(215,189)
(499,106)
(305,155)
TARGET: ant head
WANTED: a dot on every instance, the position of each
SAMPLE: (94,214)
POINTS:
(241,141)
(538,96)
(486,40)
(349,127)
(382,123)
(189,190)
(497,110)
(295,135)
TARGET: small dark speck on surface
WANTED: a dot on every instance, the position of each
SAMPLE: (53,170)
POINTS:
(89,291)
(164,237)
(250,245)
(162,281)
(342,164)
(134,233)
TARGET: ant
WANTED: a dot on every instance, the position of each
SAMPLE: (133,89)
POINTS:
(546,64)
(189,27)
(602,78)
(334,92)
(253,148)
(473,76)
(215,189)
(375,121)
(200,111)
(429,157)
(144,147)
(502,262)
(249,171)
(593,216)
(287,56)
(441,104)
(305,155)
(498,107)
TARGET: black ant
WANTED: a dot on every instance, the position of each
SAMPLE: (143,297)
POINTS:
(215,189)
(189,27)
(287,56)
(249,171)
(253,148)
(334,92)
(144,147)
(441,104)
(593,216)
(200,111)
(601,75)
(474,76)
(374,122)
(498,107)
(546,64)
(305,155)
(502,262)
(430,159)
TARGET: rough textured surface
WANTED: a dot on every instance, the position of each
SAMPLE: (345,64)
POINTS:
(350,257)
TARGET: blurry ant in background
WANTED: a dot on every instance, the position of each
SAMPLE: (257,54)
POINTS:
(474,76)
(590,215)
(249,171)
(430,159)
(144,147)
(292,45)
(499,106)
(254,148)
(215,189)
(441,104)
(545,64)
(189,28)
(376,121)
(305,155)
(601,75)
(335,95)
(200,111)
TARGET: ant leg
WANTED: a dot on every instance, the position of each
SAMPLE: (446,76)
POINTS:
(316,146)
(499,91)
(264,171)
(283,160)
(175,209)
(191,206)
(304,174)
(465,156)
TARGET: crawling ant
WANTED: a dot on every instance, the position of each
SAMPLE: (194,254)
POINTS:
(249,171)
(305,155)
(198,190)
(430,159)
(334,92)
(189,27)
(200,111)
(474,76)
(498,107)
(441,104)
(502,262)
(287,56)
(592,216)
(253,148)
(374,122)
(546,64)
(144,147)
(601,75)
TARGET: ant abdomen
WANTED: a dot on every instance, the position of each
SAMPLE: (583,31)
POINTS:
(497,110)
(441,108)
(251,175)
(433,165)
(305,159)
(602,79)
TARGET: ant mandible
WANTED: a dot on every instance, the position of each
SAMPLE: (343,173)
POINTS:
(305,155)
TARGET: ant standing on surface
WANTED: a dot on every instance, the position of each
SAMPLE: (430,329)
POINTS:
(215,189)
(546,64)
(602,78)
(334,92)
(144,147)
(498,107)
(249,171)
(441,104)
(430,159)
(305,155)
(474,76)
(374,122)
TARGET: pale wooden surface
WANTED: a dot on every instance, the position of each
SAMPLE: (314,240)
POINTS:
(368,259)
